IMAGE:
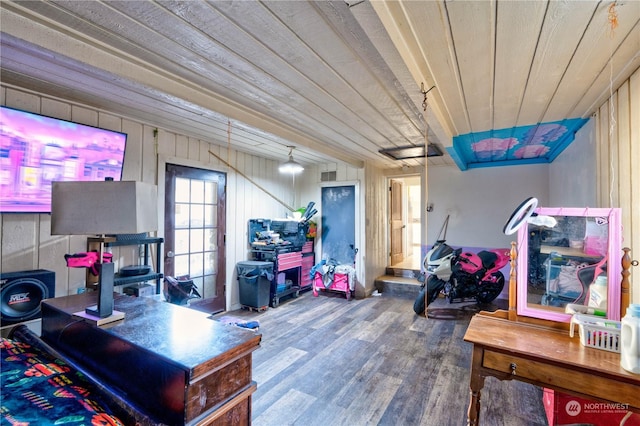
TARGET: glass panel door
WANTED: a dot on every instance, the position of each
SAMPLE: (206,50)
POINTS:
(194,231)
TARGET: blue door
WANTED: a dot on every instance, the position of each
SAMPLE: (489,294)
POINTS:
(338,223)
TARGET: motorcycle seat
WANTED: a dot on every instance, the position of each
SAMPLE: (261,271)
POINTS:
(488,258)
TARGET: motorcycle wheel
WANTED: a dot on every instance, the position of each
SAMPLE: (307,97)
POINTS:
(489,290)
(418,304)
(433,286)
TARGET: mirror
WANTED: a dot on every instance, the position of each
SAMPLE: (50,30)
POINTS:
(575,260)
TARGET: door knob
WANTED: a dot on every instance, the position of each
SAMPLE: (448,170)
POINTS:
(170,254)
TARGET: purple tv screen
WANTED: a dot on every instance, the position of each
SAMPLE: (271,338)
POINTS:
(36,150)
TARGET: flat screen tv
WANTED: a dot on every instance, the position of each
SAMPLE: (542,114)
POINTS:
(36,150)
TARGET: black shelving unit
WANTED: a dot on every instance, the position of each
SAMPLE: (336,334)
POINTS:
(93,244)
(291,272)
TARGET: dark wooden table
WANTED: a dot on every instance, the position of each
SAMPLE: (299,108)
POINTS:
(509,350)
(173,363)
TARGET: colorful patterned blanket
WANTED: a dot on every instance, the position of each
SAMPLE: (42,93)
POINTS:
(38,389)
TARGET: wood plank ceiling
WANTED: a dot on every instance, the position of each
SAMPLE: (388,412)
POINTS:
(338,80)
(510,64)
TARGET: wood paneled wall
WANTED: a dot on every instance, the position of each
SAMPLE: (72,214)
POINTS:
(375,256)
(618,157)
(26,241)
(345,175)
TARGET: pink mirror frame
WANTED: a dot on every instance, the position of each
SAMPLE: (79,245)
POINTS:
(614,269)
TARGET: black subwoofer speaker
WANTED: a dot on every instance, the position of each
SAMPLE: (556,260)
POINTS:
(21,294)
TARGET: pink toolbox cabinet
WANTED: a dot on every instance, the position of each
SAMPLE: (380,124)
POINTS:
(340,283)
(289,260)
(307,266)
(307,247)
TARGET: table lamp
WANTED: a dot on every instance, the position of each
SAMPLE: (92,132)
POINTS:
(103,208)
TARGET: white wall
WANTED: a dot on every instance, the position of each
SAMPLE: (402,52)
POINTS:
(26,241)
(480,201)
(572,175)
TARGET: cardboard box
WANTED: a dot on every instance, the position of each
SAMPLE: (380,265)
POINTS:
(564,409)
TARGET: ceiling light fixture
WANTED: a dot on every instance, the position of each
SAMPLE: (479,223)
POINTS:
(291,167)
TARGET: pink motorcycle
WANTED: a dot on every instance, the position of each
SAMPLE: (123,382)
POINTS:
(461,275)
(464,275)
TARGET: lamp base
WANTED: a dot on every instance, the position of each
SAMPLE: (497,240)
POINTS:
(95,319)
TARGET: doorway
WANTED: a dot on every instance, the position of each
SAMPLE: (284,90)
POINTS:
(339,224)
(195,228)
(405,241)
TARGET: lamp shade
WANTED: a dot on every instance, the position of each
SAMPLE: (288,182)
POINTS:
(291,166)
(104,207)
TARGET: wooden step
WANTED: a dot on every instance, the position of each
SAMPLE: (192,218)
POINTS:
(402,272)
(398,286)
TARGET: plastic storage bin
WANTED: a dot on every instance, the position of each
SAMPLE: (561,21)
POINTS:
(563,285)
(254,279)
(597,332)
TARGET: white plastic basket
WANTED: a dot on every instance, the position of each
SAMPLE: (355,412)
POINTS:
(597,332)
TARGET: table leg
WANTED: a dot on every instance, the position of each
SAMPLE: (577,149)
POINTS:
(476,384)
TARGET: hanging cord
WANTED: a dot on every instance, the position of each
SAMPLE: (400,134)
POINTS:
(228,140)
(612,18)
(426,126)
(293,186)
(425,105)
(424,92)
(228,164)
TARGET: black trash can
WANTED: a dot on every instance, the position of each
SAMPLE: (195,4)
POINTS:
(254,279)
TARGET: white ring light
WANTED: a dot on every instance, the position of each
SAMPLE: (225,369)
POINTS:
(520,215)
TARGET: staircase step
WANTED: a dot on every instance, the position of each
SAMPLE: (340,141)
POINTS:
(398,286)
(401,272)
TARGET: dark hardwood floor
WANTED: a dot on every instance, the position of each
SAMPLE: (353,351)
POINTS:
(328,361)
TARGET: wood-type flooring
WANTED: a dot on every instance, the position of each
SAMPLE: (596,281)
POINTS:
(327,361)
